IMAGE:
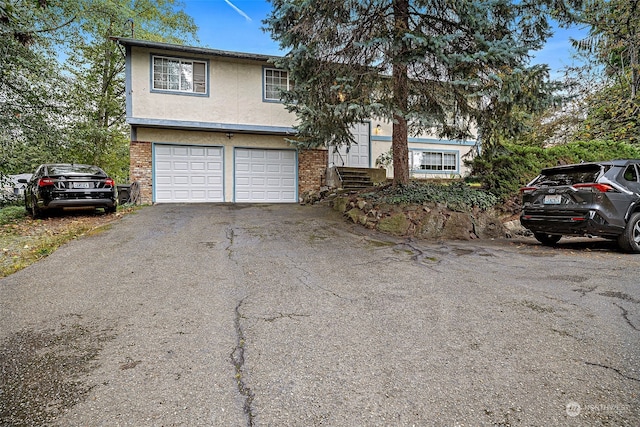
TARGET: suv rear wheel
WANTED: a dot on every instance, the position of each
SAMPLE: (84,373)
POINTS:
(547,239)
(629,240)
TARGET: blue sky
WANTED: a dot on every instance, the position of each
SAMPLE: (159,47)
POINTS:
(236,25)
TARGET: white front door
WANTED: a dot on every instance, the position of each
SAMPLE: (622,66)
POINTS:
(267,176)
(356,155)
(188,173)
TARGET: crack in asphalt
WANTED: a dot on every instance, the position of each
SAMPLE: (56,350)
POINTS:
(616,370)
(585,290)
(307,274)
(237,359)
(230,233)
(619,295)
(237,354)
(292,316)
(419,256)
(625,315)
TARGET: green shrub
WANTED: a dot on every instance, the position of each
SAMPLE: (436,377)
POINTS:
(505,173)
(456,196)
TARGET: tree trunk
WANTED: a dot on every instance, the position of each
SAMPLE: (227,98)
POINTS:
(635,73)
(400,78)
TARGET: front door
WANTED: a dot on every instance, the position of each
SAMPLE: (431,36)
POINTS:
(357,155)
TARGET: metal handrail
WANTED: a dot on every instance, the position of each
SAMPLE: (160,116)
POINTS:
(335,150)
(339,176)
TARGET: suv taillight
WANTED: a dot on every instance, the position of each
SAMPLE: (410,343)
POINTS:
(527,190)
(45,182)
(109,182)
(602,188)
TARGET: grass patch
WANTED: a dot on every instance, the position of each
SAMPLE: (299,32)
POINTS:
(24,241)
(38,247)
(10,214)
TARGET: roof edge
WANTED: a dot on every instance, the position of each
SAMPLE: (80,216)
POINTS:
(126,41)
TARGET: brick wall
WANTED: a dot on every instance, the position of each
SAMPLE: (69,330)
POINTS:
(140,168)
(312,167)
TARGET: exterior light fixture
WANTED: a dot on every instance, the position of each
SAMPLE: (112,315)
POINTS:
(229,135)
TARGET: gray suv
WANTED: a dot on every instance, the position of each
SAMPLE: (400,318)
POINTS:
(586,199)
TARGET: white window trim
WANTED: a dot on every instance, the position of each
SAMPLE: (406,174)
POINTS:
(417,170)
(185,61)
(264,83)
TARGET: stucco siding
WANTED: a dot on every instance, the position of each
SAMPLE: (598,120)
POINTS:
(234,93)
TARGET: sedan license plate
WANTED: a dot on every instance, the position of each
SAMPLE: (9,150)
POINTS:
(81,185)
(552,199)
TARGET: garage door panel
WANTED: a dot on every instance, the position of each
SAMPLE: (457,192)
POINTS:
(264,175)
(180,166)
(180,150)
(163,150)
(188,173)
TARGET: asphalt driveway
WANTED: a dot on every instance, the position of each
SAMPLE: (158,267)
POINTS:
(285,315)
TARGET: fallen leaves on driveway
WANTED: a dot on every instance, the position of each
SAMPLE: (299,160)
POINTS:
(25,240)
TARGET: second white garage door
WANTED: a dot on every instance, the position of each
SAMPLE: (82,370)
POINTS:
(188,173)
(268,176)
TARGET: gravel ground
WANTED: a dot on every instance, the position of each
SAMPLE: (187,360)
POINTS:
(238,315)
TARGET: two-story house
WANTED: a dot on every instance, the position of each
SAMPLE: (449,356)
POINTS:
(208,126)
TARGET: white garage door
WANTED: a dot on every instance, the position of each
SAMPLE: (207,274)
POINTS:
(265,175)
(188,173)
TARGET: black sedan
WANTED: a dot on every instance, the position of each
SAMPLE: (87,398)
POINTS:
(64,185)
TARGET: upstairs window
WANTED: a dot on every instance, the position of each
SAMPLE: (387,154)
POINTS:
(179,75)
(275,81)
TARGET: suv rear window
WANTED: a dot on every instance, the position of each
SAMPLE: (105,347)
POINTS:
(55,170)
(577,174)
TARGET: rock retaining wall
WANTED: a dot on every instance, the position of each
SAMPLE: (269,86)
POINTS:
(427,221)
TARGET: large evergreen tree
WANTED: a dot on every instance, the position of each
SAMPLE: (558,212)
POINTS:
(448,65)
